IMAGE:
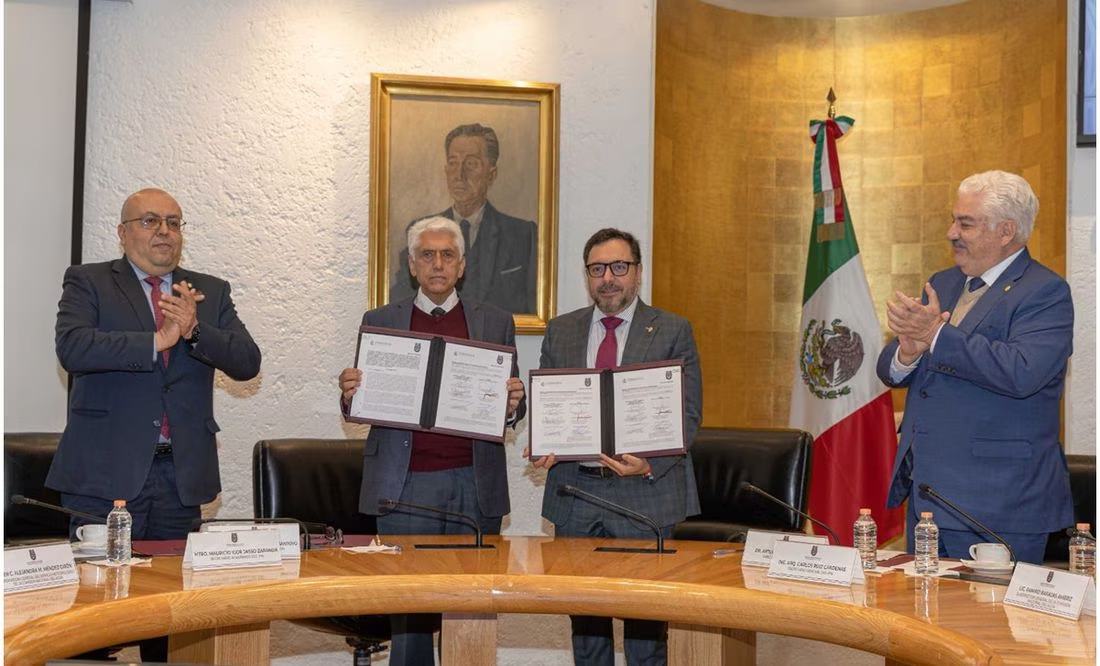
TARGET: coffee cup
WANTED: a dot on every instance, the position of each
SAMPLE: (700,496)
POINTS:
(989,552)
(92,536)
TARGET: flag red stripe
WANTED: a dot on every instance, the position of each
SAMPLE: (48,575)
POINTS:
(832,134)
(852,462)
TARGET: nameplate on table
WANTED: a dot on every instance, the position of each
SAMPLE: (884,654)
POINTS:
(1051,591)
(816,563)
(759,545)
(290,544)
(39,567)
(230,550)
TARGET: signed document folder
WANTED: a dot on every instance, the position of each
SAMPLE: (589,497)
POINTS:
(576,414)
(439,384)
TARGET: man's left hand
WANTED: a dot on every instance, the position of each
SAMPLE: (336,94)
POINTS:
(181,308)
(628,466)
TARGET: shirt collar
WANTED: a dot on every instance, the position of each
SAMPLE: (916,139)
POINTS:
(141,275)
(425,304)
(990,276)
(626,315)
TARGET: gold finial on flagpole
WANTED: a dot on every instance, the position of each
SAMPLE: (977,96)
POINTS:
(832,103)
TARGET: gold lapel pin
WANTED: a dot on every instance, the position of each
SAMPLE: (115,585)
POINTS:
(1008,287)
(648,329)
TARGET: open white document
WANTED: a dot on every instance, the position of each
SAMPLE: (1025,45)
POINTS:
(578,413)
(439,384)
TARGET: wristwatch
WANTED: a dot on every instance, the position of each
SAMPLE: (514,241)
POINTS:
(194,339)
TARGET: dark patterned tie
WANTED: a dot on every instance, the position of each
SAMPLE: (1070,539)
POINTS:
(975,284)
(465,226)
(158,315)
(438,312)
(607,356)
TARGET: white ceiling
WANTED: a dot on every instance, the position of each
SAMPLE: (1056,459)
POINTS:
(828,8)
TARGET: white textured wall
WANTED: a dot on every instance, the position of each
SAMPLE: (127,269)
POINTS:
(256,115)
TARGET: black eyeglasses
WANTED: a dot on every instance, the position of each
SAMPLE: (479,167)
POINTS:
(618,268)
(153,222)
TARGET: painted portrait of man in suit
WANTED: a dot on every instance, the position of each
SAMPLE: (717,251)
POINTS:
(501,249)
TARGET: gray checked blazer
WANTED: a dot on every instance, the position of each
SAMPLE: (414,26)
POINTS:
(655,335)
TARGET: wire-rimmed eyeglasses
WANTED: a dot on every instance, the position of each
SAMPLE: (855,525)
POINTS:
(153,222)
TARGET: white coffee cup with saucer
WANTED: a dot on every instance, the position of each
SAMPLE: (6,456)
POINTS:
(990,558)
(92,538)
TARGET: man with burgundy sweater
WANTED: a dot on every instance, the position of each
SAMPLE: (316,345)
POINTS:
(451,473)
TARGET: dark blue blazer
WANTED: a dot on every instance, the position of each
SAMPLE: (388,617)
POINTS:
(104,339)
(388,450)
(982,414)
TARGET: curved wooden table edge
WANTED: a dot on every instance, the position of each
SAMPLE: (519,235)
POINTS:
(896,637)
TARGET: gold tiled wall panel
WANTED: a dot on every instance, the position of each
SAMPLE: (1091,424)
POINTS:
(936,95)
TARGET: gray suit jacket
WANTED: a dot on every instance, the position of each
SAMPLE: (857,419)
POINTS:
(655,335)
(104,339)
(388,450)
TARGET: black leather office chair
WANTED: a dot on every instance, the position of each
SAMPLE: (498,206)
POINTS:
(775,460)
(1082,485)
(317,481)
(27,458)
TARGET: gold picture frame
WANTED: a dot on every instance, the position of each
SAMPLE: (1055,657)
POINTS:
(411,116)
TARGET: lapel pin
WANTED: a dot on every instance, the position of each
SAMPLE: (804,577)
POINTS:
(648,329)
(1008,287)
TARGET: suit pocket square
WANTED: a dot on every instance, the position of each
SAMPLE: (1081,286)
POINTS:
(513,269)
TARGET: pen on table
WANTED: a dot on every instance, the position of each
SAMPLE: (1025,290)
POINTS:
(722,552)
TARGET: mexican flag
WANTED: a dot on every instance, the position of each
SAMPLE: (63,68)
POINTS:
(837,396)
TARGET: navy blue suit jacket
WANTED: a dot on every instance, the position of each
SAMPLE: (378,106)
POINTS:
(655,335)
(104,339)
(388,450)
(982,415)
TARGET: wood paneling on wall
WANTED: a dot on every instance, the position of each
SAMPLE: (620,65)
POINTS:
(936,95)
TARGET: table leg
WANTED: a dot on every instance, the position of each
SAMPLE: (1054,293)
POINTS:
(469,639)
(696,645)
(244,645)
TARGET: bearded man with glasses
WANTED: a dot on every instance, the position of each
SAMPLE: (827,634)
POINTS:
(141,337)
(620,329)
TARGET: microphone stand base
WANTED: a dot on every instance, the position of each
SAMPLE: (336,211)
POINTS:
(614,549)
(453,546)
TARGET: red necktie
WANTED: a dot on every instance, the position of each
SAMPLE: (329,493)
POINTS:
(607,356)
(158,315)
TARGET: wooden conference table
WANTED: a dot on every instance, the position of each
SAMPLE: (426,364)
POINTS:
(714,606)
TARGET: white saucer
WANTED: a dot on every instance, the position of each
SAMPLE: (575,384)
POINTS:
(990,567)
(83,549)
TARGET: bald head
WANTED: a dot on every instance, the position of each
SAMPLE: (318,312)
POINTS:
(155,250)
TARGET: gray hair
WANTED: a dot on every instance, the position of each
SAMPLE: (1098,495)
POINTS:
(437,223)
(1004,196)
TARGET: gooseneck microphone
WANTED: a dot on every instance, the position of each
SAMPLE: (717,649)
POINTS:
(478,543)
(745,485)
(929,490)
(623,511)
(20,499)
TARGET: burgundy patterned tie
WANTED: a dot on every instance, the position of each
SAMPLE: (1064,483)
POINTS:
(607,356)
(158,315)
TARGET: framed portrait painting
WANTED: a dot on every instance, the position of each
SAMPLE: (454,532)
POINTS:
(484,154)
